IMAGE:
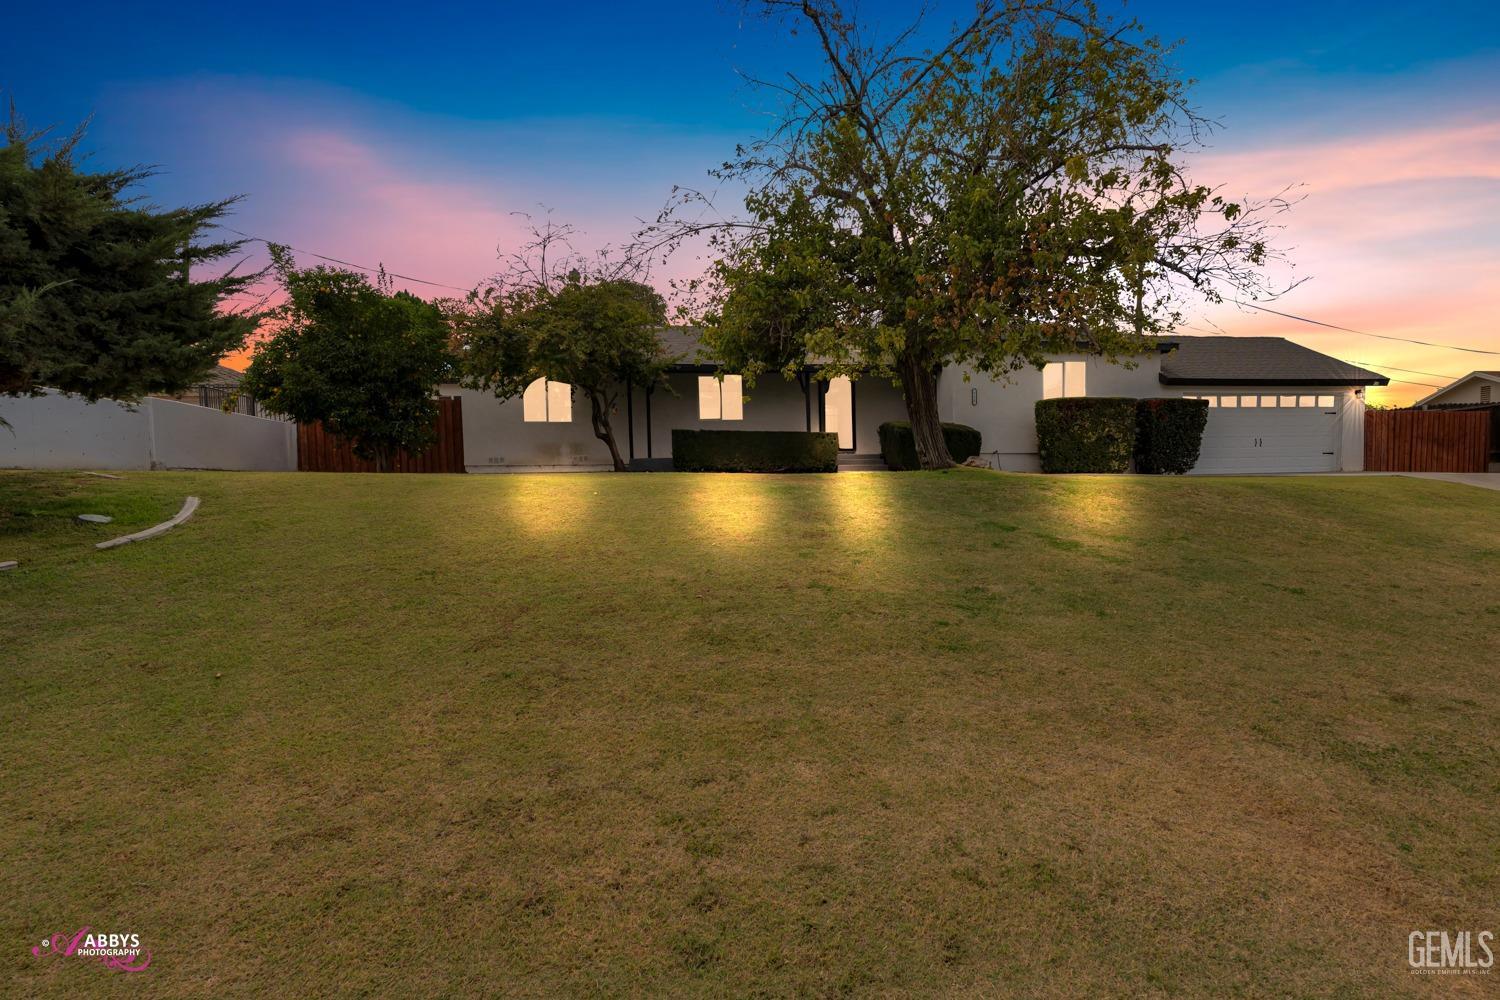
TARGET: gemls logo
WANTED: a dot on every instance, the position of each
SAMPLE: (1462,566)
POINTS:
(1438,953)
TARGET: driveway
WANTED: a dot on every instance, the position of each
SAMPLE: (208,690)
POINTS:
(1485,480)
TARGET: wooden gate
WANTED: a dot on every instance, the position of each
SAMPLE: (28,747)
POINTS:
(1427,441)
(320,451)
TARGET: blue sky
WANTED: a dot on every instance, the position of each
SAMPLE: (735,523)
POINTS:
(408,134)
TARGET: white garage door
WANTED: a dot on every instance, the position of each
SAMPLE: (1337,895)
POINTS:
(1270,434)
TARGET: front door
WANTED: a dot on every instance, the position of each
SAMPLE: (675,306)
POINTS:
(838,411)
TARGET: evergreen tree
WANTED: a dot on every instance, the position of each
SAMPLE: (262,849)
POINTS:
(96,291)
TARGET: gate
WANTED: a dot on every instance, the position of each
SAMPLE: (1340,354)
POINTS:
(320,451)
(1427,441)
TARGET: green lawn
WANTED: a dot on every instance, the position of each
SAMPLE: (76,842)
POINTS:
(949,734)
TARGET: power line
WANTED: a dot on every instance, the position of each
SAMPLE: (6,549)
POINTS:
(1361,364)
(1365,333)
(1410,371)
(345,263)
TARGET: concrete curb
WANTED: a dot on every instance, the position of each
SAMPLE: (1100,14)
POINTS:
(188,506)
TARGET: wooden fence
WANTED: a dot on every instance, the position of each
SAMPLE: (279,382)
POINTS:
(1426,441)
(320,451)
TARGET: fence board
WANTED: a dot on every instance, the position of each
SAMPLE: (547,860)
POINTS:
(320,451)
(1426,441)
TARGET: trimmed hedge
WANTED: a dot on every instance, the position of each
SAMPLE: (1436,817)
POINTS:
(899,448)
(754,451)
(1168,434)
(1085,433)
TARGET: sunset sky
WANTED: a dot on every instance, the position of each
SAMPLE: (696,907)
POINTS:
(409,135)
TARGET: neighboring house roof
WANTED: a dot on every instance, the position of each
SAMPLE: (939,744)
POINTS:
(1256,361)
(1472,376)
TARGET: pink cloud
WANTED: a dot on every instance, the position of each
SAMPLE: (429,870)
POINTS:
(1396,234)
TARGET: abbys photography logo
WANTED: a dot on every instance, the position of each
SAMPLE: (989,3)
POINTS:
(1444,953)
(120,952)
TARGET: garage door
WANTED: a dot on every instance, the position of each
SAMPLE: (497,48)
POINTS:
(1270,434)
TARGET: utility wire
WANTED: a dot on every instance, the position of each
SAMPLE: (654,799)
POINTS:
(335,260)
(1365,333)
(1251,305)
(1360,364)
(1409,371)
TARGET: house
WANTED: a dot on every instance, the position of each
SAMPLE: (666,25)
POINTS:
(1275,406)
(216,389)
(1474,389)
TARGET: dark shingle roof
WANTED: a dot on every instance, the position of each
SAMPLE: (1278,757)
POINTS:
(681,343)
(1256,361)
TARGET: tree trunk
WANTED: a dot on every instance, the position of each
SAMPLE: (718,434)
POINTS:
(919,386)
(599,414)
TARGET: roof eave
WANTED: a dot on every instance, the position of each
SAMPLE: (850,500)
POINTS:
(1179,380)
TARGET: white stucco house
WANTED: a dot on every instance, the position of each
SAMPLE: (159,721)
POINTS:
(1275,407)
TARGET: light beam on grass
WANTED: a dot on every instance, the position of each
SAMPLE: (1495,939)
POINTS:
(860,503)
(1097,506)
(548,505)
(731,507)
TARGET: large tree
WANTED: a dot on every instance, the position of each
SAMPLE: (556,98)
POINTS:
(555,314)
(350,353)
(99,293)
(597,334)
(1014,189)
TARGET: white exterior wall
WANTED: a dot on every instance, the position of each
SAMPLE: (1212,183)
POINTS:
(498,439)
(1004,412)
(57,431)
(1468,392)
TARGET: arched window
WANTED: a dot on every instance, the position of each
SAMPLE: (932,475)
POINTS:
(547,402)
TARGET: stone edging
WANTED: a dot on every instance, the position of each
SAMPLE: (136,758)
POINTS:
(188,506)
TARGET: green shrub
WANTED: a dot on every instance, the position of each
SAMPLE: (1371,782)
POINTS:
(1085,433)
(1168,434)
(899,448)
(754,451)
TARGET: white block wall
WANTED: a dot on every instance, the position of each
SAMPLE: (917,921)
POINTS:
(57,431)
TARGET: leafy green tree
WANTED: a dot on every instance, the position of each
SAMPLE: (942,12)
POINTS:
(1014,191)
(348,353)
(96,295)
(598,334)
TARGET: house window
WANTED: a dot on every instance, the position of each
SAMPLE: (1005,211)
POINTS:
(1064,378)
(721,399)
(547,402)
(1288,400)
(1250,401)
(1326,402)
(1230,402)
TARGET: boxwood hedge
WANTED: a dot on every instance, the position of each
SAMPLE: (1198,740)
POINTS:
(1085,433)
(754,451)
(1168,434)
(899,448)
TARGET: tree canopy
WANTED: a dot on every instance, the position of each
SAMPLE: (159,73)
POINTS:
(353,355)
(98,294)
(1013,191)
(598,334)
